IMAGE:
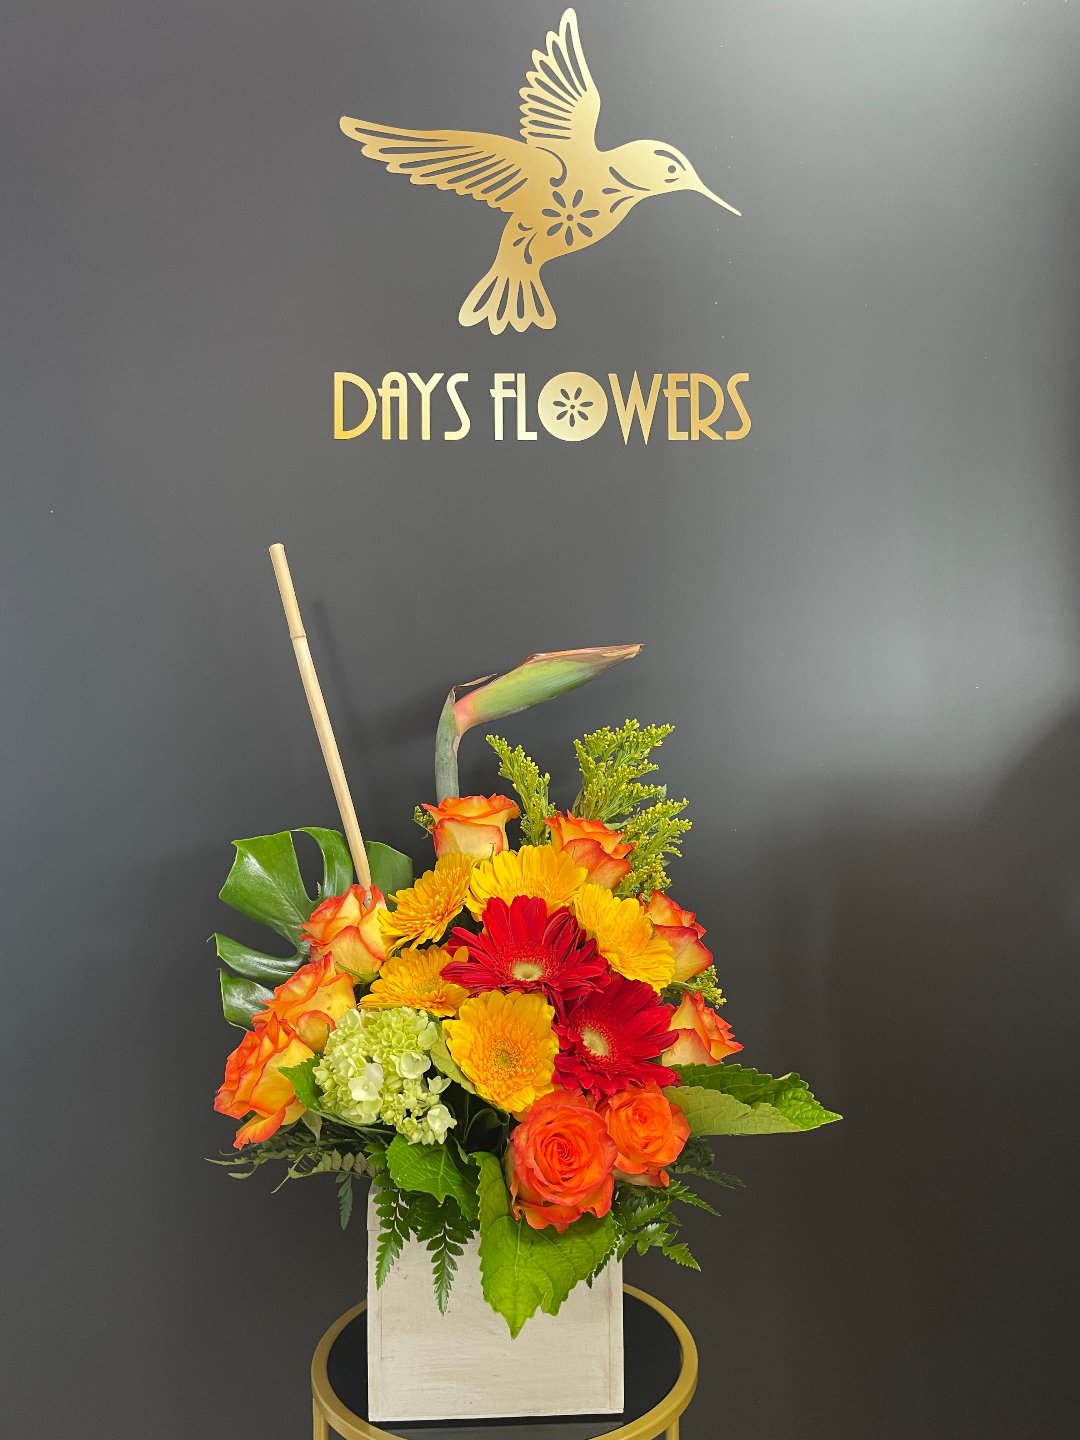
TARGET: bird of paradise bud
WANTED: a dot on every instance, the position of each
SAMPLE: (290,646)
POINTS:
(540,677)
(680,928)
(471,825)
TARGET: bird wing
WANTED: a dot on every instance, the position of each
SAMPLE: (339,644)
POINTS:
(491,168)
(560,101)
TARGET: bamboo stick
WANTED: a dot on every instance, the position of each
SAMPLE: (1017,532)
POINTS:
(320,715)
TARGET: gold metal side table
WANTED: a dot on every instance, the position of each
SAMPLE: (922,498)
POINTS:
(661,1377)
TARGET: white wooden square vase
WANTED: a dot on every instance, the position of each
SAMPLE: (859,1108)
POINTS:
(463,1365)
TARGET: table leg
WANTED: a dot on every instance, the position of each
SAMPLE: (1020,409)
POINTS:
(672,1431)
(319,1428)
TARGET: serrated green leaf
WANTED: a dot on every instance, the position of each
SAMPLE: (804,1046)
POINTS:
(524,1270)
(680,1253)
(435,1170)
(240,999)
(390,869)
(345,1199)
(303,1082)
(678,1191)
(735,1100)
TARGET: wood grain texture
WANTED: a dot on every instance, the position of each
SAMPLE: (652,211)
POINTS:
(464,1365)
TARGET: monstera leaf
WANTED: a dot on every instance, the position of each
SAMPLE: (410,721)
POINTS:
(735,1100)
(265,885)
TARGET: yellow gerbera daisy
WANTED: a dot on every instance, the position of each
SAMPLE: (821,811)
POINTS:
(533,870)
(505,1045)
(625,936)
(414,978)
(425,910)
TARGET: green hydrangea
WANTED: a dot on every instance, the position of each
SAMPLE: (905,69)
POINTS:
(377,1068)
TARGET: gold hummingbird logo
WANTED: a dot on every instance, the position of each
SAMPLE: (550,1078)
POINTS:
(561,192)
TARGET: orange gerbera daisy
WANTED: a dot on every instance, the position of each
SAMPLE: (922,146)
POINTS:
(414,978)
(538,870)
(506,1046)
(425,910)
(625,936)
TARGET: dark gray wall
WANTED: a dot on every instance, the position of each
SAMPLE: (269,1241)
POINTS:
(862,619)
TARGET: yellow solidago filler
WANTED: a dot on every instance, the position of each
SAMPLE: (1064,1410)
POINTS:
(533,870)
(505,1045)
(414,978)
(425,910)
(625,936)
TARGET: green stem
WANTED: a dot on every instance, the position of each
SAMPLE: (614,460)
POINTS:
(446,751)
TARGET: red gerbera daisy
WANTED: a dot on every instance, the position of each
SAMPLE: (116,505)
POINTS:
(522,947)
(611,1038)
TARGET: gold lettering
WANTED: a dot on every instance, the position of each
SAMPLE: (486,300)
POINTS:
(675,390)
(523,433)
(425,387)
(504,388)
(736,399)
(635,406)
(699,426)
(462,414)
(394,387)
(341,379)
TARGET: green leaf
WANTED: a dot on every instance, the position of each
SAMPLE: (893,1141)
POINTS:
(303,1082)
(678,1191)
(735,1100)
(390,869)
(445,1062)
(338,872)
(345,1198)
(436,1170)
(445,1231)
(241,998)
(524,1270)
(255,964)
(265,885)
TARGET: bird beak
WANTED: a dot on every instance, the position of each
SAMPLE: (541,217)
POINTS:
(703,189)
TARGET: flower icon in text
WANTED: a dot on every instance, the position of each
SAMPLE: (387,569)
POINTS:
(571,408)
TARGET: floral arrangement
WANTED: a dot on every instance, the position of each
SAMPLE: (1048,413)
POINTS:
(524,1045)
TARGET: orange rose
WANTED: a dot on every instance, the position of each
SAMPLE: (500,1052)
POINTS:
(471,825)
(347,927)
(682,932)
(559,1162)
(649,1132)
(311,1001)
(591,844)
(703,1037)
(253,1081)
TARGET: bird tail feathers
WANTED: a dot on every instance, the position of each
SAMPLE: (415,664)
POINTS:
(508,295)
